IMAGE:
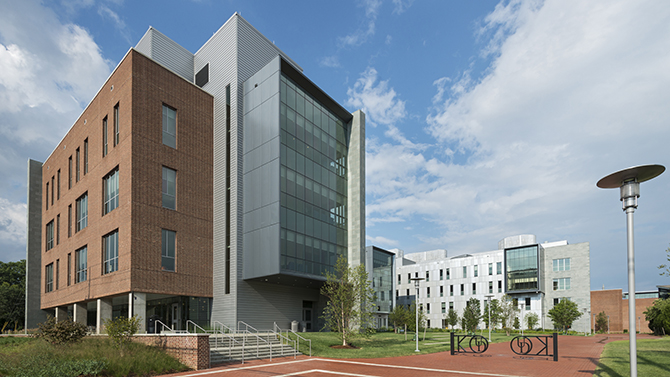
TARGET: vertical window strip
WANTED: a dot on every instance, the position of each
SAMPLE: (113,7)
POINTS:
(116,125)
(169,188)
(111,192)
(82,212)
(85,156)
(53,188)
(168,245)
(169,126)
(110,245)
(77,166)
(46,199)
(69,268)
(104,137)
(81,265)
(228,189)
(58,186)
(49,278)
(69,173)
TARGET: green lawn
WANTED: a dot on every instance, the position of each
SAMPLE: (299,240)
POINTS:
(22,356)
(653,358)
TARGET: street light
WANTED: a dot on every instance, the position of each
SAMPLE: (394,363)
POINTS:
(608,324)
(628,181)
(638,325)
(489,297)
(416,305)
(586,311)
(522,307)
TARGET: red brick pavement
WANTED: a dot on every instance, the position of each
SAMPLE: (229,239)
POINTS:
(578,356)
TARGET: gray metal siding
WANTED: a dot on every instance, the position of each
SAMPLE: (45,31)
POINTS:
(167,53)
(144,45)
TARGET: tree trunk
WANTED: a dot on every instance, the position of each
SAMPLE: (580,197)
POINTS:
(405,331)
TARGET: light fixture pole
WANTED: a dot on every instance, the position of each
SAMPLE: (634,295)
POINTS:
(416,281)
(523,305)
(608,324)
(628,181)
(638,325)
(585,311)
(489,297)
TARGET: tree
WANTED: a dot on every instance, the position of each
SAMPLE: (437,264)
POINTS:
(400,317)
(495,313)
(516,325)
(452,318)
(658,316)
(472,314)
(601,322)
(665,268)
(350,300)
(12,294)
(508,311)
(411,318)
(563,314)
(122,329)
(532,320)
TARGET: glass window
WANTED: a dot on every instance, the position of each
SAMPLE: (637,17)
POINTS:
(110,185)
(490,268)
(110,252)
(474,288)
(428,309)
(462,289)
(465,271)
(85,161)
(561,284)
(451,290)
(561,264)
(522,268)
(444,307)
(78,175)
(448,275)
(476,270)
(499,268)
(81,265)
(169,188)
(399,280)
(50,235)
(527,303)
(169,127)
(441,274)
(116,124)
(49,278)
(69,173)
(104,137)
(81,213)
(441,291)
(427,276)
(490,287)
(451,305)
(58,186)
(428,292)
(168,250)
(499,286)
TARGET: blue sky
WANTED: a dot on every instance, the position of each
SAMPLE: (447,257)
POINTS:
(485,119)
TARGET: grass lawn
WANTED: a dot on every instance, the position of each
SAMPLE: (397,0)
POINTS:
(653,358)
(384,344)
(23,356)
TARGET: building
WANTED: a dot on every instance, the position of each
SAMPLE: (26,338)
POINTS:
(614,303)
(380,266)
(214,186)
(536,275)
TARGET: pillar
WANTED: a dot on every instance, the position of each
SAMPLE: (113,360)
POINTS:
(138,303)
(104,313)
(80,313)
(61,313)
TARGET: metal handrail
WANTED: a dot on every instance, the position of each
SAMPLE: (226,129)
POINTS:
(232,331)
(305,339)
(258,339)
(223,333)
(164,325)
(288,340)
(195,325)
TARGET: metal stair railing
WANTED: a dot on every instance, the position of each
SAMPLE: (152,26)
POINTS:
(298,337)
(164,325)
(277,331)
(195,327)
(230,338)
(258,340)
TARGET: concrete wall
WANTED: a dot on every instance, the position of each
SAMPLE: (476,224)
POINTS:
(34,286)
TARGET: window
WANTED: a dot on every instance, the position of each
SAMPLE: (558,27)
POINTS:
(490,269)
(462,289)
(409,277)
(81,213)
(441,291)
(116,124)
(110,188)
(451,290)
(441,274)
(428,292)
(50,235)
(169,188)
(465,271)
(58,229)
(561,284)
(499,286)
(57,274)
(104,137)
(110,252)
(49,278)
(169,127)
(416,274)
(69,220)
(397,293)
(85,156)
(476,270)
(444,307)
(427,276)
(448,274)
(78,176)
(202,77)
(69,268)
(168,250)
(562,264)
(556,301)
(399,279)
(428,308)
(490,287)
(451,305)
(408,292)
(69,173)
(527,303)
(58,186)
(80,265)
(474,288)
(47,196)
(499,268)
(53,188)
(428,322)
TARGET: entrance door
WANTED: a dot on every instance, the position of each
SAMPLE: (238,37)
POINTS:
(307,315)
(176,316)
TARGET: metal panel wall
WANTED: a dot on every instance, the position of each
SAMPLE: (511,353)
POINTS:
(167,53)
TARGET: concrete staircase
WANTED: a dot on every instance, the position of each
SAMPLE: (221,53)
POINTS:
(242,347)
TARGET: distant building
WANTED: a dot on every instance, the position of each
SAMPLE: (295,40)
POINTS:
(614,303)
(536,275)
(380,265)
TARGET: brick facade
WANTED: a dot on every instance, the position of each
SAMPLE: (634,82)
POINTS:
(191,350)
(138,87)
(612,303)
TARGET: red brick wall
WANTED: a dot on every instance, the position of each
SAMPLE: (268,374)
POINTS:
(191,350)
(612,303)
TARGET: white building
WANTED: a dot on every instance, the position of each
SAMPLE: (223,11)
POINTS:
(538,276)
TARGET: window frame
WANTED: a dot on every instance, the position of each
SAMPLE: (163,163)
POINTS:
(49,278)
(165,116)
(165,188)
(165,249)
(81,213)
(49,233)
(81,268)
(110,203)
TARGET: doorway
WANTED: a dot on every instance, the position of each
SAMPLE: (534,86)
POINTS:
(176,316)
(307,315)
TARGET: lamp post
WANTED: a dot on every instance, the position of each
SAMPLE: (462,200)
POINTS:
(416,305)
(608,324)
(628,181)
(489,297)
(522,307)
(639,329)
(594,323)
(585,311)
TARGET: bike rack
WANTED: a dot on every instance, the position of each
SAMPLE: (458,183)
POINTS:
(523,345)
(476,344)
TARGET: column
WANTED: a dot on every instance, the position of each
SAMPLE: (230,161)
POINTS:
(139,305)
(80,313)
(104,313)
(61,313)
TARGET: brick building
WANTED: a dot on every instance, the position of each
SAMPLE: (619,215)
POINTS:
(614,303)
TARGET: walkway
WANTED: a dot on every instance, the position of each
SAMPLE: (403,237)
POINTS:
(578,356)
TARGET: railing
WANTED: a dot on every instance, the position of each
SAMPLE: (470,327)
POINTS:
(231,339)
(305,339)
(277,330)
(164,325)
(195,326)
(258,340)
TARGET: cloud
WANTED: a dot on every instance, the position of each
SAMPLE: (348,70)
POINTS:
(400,6)
(376,99)
(367,30)
(49,70)
(382,241)
(330,61)
(105,12)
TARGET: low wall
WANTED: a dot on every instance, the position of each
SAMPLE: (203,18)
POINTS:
(191,349)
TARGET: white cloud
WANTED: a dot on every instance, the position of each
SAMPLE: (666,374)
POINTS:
(367,30)
(376,99)
(400,6)
(330,61)
(12,221)
(382,241)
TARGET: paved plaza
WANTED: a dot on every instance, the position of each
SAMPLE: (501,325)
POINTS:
(578,356)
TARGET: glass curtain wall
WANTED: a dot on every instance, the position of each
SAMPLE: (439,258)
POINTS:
(522,269)
(313,183)
(382,273)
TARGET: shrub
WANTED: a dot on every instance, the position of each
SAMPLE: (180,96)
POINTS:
(61,332)
(122,329)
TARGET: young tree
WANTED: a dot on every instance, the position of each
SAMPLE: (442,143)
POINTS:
(12,294)
(411,318)
(472,314)
(516,323)
(452,318)
(495,313)
(563,314)
(350,300)
(601,322)
(532,320)
(399,317)
(508,312)
(658,316)
(665,268)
